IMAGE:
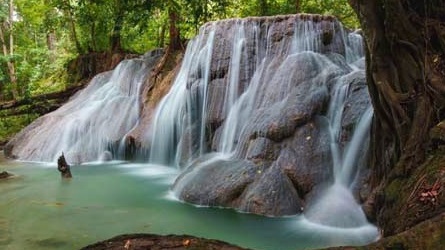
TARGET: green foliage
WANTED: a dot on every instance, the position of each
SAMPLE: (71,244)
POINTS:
(49,33)
(41,72)
(142,37)
(36,65)
(94,24)
(202,11)
(11,125)
(99,22)
(338,8)
(80,26)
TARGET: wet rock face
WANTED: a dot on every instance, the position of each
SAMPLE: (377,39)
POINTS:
(357,102)
(222,181)
(272,194)
(90,125)
(269,88)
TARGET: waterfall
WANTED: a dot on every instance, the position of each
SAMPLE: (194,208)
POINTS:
(224,77)
(185,105)
(354,50)
(336,206)
(263,115)
(262,107)
(358,143)
(92,123)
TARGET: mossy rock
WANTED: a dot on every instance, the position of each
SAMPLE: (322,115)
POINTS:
(415,198)
(5,175)
(438,132)
(165,242)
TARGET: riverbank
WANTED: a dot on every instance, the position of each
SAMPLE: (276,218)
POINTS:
(428,235)
(165,242)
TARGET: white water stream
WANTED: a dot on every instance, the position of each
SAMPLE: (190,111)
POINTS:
(90,126)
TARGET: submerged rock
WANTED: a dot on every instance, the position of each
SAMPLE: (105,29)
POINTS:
(216,181)
(63,167)
(5,175)
(273,193)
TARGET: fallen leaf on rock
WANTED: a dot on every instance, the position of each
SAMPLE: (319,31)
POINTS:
(127,244)
(186,243)
(430,193)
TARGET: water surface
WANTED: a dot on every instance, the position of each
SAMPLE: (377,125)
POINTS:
(39,210)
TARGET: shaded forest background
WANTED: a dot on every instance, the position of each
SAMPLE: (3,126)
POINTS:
(39,38)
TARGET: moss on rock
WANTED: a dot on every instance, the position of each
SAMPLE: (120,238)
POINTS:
(412,199)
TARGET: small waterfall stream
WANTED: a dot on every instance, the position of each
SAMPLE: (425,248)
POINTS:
(171,120)
(336,206)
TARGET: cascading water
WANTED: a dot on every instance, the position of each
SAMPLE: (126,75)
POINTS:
(170,119)
(246,61)
(263,115)
(89,126)
(271,100)
(337,207)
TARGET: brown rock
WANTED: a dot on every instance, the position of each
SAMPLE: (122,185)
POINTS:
(158,242)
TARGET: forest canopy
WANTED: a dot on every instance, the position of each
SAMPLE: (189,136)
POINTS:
(39,37)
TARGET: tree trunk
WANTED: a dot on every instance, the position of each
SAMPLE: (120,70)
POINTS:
(51,40)
(405,44)
(297,6)
(175,39)
(115,40)
(51,44)
(263,7)
(10,65)
(206,12)
(40,104)
(11,28)
(161,38)
(70,14)
(10,51)
(93,36)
